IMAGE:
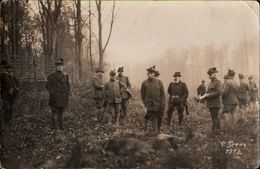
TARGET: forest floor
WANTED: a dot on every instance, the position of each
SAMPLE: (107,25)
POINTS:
(86,143)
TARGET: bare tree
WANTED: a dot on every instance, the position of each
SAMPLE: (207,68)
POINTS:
(78,37)
(50,11)
(100,31)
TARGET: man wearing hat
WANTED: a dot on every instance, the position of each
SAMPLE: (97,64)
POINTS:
(253,91)
(9,91)
(213,97)
(98,92)
(179,93)
(58,87)
(156,75)
(230,97)
(125,92)
(243,92)
(201,90)
(153,96)
(113,96)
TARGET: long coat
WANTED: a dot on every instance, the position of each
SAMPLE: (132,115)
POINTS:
(153,95)
(214,94)
(125,90)
(7,82)
(253,90)
(98,87)
(112,91)
(58,87)
(201,90)
(230,92)
(243,91)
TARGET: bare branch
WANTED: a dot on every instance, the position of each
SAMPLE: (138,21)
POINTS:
(111,26)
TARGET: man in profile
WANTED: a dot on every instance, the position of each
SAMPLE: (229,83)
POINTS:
(253,91)
(125,92)
(243,92)
(213,97)
(9,91)
(153,97)
(58,87)
(98,93)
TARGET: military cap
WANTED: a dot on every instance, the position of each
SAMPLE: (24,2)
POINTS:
(99,70)
(250,77)
(203,81)
(157,73)
(112,73)
(226,77)
(59,61)
(231,72)
(241,76)
(177,74)
(5,64)
(212,70)
(120,69)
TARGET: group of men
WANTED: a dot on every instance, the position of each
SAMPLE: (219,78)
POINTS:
(113,95)
(225,97)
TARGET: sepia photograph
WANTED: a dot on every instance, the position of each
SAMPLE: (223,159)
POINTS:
(140,84)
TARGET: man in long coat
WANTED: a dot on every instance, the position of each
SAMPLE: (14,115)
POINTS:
(58,87)
(125,92)
(153,97)
(213,97)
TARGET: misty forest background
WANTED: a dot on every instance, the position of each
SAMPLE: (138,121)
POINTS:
(35,33)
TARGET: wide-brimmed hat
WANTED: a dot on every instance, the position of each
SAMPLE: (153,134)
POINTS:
(241,76)
(151,69)
(112,73)
(231,72)
(120,69)
(59,61)
(212,70)
(177,74)
(99,70)
(5,64)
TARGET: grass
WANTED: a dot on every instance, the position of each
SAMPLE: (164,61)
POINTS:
(82,143)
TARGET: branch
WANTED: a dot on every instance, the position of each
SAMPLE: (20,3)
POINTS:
(111,26)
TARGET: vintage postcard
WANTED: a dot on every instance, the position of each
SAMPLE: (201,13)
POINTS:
(149,84)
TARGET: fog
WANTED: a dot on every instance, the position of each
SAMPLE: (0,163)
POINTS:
(184,36)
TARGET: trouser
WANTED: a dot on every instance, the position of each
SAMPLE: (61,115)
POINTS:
(124,108)
(57,117)
(214,112)
(171,108)
(8,106)
(159,124)
(243,103)
(186,107)
(1,135)
(155,117)
(114,110)
(99,108)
